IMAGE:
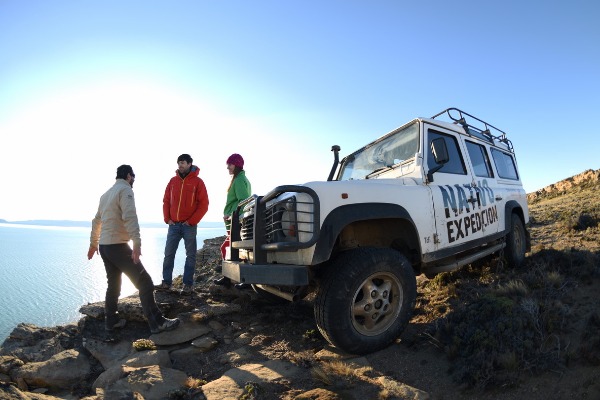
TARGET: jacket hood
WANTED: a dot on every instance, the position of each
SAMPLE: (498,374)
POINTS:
(194,171)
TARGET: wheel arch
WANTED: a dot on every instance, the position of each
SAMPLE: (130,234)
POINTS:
(367,224)
(513,207)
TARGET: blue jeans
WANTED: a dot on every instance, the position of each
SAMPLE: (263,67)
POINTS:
(177,232)
(117,261)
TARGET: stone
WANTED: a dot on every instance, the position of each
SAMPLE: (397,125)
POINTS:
(153,382)
(244,338)
(401,390)
(237,356)
(204,343)
(32,344)
(231,384)
(319,394)
(185,332)
(148,357)
(109,377)
(215,325)
(109,354)
(7,363)
(61,371)
(180,355)
(330,353)
(129,308)
(215,309)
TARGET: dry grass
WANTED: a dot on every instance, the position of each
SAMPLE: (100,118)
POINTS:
(497,325)
(341,374)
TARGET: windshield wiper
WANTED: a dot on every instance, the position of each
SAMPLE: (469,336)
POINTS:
(378,170)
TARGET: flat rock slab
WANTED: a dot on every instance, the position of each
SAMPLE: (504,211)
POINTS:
(153,382)
(185,332)
(231,384)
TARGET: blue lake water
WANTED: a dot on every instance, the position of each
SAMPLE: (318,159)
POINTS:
(45,276)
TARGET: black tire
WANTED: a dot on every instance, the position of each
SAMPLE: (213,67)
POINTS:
(365,299)
(516,242)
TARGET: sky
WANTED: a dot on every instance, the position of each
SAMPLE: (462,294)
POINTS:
(86,86)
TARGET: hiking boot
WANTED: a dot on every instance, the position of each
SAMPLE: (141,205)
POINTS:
(167,325)
(163,286)
(223,281)
(117,325)
(187,290)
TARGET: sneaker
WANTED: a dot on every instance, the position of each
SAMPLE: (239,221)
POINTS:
(118,325)
(167,325)
(163,286)
(187,290)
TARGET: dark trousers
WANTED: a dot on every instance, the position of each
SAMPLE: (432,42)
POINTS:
(177,232)
(117,261)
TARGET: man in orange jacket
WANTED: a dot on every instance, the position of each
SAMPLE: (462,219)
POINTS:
(184,204)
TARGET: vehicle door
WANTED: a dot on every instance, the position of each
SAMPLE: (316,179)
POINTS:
(457,217)
(506,187)
(489,193)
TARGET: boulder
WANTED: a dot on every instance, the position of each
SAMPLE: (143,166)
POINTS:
(232,384)
(129,308)
(63,370)
(153,382)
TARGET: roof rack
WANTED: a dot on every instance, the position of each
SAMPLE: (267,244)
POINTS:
(485,134)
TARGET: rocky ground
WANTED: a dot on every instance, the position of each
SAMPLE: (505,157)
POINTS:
(485,332)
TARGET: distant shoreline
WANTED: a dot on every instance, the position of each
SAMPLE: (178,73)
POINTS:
(88,224)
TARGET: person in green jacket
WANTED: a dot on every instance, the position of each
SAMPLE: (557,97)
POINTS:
(239,189)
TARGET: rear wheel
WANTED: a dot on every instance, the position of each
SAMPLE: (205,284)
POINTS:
(365,299)
(516,242)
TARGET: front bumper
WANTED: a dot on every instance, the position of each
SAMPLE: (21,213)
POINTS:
(266,274)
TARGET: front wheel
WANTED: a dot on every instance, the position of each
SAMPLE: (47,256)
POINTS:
(365,299)
(516,242)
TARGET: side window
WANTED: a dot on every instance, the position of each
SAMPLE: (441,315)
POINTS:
(480,160)
(505,165)
(455,165)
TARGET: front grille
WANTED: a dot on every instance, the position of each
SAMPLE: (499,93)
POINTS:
(247,224)
(280,221)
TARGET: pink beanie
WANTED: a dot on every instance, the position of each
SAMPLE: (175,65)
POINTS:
(236,159)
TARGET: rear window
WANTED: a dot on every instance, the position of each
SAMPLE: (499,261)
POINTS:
(505,165)
(480,160)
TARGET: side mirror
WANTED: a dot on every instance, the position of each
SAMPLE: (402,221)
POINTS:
(440,155)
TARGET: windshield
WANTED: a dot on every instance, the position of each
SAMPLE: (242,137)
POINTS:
(384,153)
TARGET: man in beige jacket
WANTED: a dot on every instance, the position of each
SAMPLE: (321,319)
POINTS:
(114,225)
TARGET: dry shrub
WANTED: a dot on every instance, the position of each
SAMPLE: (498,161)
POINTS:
(194,383)
(339,372)
(590,349)
(503,332)
(586,221)
(571,263)
(513,288)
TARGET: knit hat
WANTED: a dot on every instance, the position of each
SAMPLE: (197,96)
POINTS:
(236,159)
(185,157)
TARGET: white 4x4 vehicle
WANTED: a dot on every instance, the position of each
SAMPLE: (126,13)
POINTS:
(428,197)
